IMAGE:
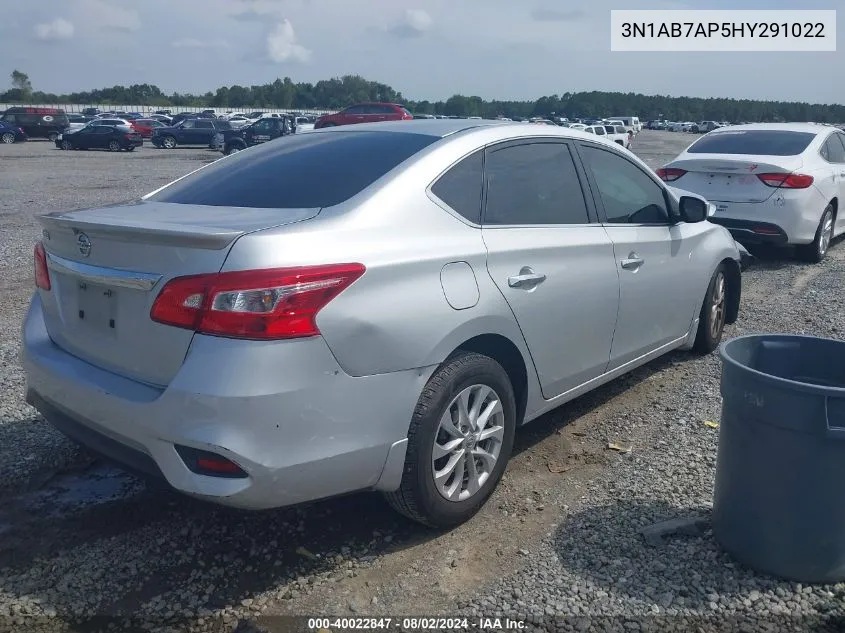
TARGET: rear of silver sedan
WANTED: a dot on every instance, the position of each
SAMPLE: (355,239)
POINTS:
(180,335)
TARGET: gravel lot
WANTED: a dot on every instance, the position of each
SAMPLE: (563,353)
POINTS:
(558,544)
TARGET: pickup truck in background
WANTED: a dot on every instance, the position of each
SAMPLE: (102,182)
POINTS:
(263,130)
(618,134)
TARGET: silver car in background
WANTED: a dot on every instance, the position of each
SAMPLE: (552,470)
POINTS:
(376,308)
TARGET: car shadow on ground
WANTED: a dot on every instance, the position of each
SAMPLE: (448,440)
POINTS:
(604,550)
(219,555)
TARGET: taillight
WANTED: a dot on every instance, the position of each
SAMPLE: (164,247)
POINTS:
(786,181)
(42,273)
(670,174)
(254,304)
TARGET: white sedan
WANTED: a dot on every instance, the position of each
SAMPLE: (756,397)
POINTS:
(776,183)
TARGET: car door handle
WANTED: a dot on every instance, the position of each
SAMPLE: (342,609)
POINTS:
(524,279)
(633,262)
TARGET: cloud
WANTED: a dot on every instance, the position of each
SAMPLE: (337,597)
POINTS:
(414,23)
(282,45)
(548,14)
(195,43)
(58,29)
(257,10)
(107,17)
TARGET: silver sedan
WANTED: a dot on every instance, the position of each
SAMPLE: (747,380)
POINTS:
(376,308)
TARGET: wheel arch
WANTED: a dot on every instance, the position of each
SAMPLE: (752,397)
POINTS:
(507,354)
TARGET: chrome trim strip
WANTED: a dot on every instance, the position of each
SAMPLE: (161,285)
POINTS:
(103,276)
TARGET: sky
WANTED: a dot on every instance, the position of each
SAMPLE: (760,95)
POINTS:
(426,49)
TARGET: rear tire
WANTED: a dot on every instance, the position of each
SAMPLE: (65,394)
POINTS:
(479,382)
(815,251)
(233,149)
(711,321)
(53,136)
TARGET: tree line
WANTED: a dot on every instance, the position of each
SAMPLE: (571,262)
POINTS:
(339,92)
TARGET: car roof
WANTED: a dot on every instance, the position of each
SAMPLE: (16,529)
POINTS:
(813,128)
(441,128)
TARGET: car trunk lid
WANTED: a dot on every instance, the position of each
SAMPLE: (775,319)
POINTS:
(729,178)
(107,266)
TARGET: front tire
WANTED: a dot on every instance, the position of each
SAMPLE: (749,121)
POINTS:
(53,136)
(459,442)
(168,142)
(114,146)
(714,310)
(67,145)
(815,251)
(8,138)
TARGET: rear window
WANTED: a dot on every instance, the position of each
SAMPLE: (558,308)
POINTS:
(754,142)
(311,170)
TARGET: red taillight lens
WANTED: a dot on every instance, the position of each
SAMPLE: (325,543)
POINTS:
(254,304)
(786,181)
(42,273)
(670,174)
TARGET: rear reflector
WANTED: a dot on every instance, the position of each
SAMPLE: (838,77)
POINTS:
(786,181)
(275,303)
(209,464)
(42,273)
(766,230)
(670,174)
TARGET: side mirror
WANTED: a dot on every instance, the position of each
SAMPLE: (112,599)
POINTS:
(693,209)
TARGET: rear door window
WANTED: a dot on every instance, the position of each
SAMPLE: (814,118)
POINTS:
(753,142)
(297,171)
(533,183)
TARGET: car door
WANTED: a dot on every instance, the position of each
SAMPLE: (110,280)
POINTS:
(840,219)
(262,131)
(655,254)
(833,151)
(354,114)
(100,137)
(551,260)
(186,134)
(204,131)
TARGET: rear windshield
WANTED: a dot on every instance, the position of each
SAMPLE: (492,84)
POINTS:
(753,142)
(311,170)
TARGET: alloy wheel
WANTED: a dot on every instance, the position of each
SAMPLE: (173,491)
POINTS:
(468,442)
(826,234)
(8,138)
(717,305)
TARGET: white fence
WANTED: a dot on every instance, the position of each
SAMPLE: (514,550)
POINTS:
(77,108)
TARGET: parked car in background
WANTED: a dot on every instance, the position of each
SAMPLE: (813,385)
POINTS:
(263,130)
(598,130)
(222,323)
(708,126)
(304,124)
(630,122)
(163,118)
(37,122)
(145,127)
(91,111)
(196,131)
(364,113)
(618,134)
(111,137)
(10,134)
(775,183)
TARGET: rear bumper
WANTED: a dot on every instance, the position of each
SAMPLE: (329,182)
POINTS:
(285,412)
(748,232)
(787,217)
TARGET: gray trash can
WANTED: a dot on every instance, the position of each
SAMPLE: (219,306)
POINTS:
(779,499)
